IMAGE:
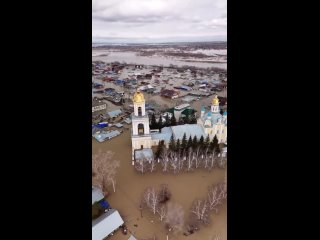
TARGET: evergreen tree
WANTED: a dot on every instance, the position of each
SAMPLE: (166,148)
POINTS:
(178,145)
(186,119)
(192,119)
(213,143)
(201,141)
(194,142)
(217,149)
(181,121)
(189,144)
(172,143)
(167,122)
(207,142)
(159,149)
(160,124)
(173,120)
(211,146)
(184,142)
(153,122)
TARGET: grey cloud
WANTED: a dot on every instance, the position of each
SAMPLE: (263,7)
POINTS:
(158,19)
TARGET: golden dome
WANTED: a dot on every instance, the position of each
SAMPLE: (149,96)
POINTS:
(138,97)
(215,100)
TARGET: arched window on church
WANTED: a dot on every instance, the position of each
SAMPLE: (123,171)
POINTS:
(140,129)
(139,111)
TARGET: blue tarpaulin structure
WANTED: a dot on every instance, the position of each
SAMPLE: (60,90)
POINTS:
(105,204)
(100,125)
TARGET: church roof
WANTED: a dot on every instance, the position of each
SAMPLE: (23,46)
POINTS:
(215,100)
(165,134)
(138,97)
(189,129)
(178,132)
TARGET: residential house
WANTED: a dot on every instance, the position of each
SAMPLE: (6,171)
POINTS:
(170,93)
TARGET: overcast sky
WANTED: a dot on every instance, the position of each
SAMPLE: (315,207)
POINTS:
(159,20)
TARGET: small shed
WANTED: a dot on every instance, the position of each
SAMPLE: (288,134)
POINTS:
(114,113)
(118,125)
(128,121)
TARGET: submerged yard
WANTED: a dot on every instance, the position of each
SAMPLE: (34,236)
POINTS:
(185,188)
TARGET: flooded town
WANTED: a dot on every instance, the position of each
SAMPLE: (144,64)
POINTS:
(159,117)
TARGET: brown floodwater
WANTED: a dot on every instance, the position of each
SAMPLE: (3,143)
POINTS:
(185,188)
(132,57)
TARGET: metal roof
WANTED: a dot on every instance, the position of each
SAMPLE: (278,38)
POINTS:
(96,194)
(114,113)
(145,153)
(106,224)
(189,129)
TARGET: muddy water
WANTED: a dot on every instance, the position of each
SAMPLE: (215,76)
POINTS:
(131,57)
(185,188)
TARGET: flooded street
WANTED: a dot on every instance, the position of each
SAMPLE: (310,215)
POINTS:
(185,188)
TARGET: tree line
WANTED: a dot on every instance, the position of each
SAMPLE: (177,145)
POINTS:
(184,156)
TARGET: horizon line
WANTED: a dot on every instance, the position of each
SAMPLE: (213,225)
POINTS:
(158,42)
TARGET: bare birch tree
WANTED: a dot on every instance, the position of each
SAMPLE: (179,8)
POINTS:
(151,199)
(197,157)
(154,200)
(214,198)
(181,160)
(222,161)
(174,162)
(141,165)
(200,210)
(152,164)
(175,217)
(216,195)
(164,193)
(146,196)
(212,160)
(162,211)
(189,160)
(104,170)
(206,158)
(165,160)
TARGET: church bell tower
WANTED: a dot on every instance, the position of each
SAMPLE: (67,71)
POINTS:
(140,135)
(215,105)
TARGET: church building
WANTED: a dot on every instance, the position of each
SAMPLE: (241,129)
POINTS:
(209,123)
